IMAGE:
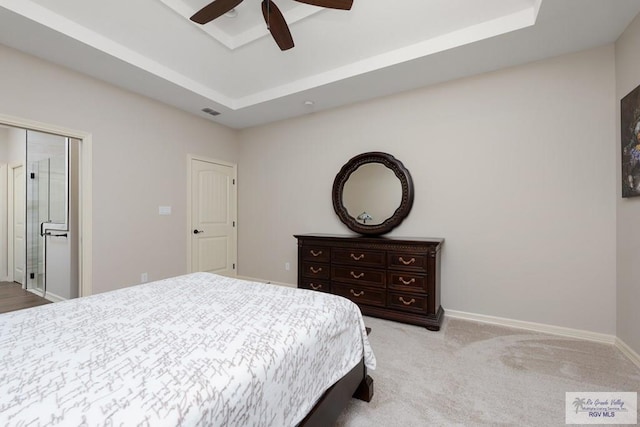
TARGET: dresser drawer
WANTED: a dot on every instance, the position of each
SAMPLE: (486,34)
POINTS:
(359,294)
(359,257)
(406,281)
(407,261)
(407,302)
(315,285)
(316,253)
(316,270)
(359,276)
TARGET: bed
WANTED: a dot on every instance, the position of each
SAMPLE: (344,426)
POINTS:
(199,349)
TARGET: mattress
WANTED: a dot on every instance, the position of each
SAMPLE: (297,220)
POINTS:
(199,349)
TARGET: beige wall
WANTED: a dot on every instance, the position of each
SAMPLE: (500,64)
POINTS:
(628,210)
(16,146)
(513,168)
(510,167)
(4,136)
(140,152)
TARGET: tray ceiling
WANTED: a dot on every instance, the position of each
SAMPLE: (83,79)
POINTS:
(233,66)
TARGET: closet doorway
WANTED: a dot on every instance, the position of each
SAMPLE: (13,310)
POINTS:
(47,209)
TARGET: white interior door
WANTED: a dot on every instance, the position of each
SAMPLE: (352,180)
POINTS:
(18,223)
(213,217)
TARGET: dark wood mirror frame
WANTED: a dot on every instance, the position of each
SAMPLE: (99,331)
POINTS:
(400,213)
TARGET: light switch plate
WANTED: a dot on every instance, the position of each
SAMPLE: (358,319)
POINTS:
(164,210)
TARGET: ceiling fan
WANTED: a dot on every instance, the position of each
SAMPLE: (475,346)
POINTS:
(273,17)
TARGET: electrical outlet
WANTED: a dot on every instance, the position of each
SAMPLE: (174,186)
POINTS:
(287,266)
(144,278)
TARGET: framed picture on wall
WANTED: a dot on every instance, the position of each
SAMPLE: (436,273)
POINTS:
(630,134)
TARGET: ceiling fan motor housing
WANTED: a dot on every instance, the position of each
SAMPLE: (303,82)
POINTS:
(276,24)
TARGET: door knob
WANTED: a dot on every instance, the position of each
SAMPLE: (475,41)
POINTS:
(198,231)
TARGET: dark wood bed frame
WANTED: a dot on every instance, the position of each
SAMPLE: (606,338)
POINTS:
(355,384)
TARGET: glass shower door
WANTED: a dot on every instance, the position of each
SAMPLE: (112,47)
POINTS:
(47,201)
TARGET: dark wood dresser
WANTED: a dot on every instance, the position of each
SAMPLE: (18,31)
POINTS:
(391,278)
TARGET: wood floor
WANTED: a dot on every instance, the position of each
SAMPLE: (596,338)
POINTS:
(13,297)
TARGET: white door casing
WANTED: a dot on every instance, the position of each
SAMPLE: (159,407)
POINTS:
(212,220)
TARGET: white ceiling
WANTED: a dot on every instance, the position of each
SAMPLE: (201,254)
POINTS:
(233,66)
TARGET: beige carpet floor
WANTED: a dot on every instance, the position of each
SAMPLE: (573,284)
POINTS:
(471,374)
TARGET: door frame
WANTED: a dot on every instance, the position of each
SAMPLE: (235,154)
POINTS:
(85,202)
(11,220)
(234,166)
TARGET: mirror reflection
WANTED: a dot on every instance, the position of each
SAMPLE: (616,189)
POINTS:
(372,194)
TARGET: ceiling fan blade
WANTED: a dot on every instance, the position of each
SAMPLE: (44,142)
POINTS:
(214,10)
(331,4)
(277,25)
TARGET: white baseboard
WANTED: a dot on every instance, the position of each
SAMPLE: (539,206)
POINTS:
(550,329)
(49,296)
(532,326)
(628,351)
(253,279)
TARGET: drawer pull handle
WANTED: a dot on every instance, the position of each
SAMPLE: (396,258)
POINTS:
(359,294)
(315,287)
(356,276)
(411,301)
(411,261)
(314,271)
(314,253)
(407,282)
(357,258)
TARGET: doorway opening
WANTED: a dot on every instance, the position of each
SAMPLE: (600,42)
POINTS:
(47,215)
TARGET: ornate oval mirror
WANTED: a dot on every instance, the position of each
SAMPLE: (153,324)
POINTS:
(373,193)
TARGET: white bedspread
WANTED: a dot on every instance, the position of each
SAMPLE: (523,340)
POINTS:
(199,349)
